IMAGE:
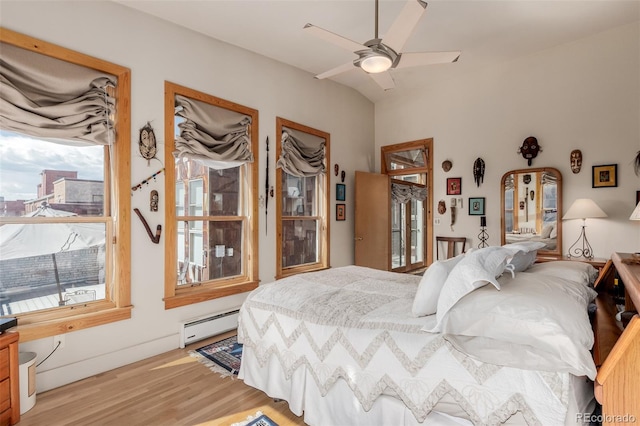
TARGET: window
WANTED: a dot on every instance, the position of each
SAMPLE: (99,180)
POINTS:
(302,198)
(59,227)
(211,235)
(408,164)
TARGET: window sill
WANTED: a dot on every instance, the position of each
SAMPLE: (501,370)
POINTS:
(301,269)
(47,328)
(202,295)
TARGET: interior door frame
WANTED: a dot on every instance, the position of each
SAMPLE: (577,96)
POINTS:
(427,146)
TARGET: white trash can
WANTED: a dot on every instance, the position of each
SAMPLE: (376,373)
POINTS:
(27,373)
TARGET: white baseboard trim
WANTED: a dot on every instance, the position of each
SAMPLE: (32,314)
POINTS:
(73,372)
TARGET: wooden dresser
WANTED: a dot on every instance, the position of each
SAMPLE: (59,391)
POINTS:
(9,383)
(617,385)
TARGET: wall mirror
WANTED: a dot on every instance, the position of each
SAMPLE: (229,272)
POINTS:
(531,203)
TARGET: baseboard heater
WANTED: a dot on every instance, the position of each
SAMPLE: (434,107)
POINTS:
(210,325)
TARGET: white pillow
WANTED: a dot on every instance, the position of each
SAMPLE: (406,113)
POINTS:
(554,232)
(534,322)
(426,299)
(546,231)
(580,272)
(475,270)
(525,255)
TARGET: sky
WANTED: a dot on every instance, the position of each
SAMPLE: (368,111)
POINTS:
(22,159)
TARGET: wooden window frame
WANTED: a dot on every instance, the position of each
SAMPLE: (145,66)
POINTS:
(427,145)
(323,200)
(199,292)
(46,323)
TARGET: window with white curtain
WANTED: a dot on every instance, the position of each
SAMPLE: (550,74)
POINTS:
(302,198)
(212,223)
(65,185)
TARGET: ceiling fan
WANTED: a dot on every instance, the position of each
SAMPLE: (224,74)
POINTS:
(377,56)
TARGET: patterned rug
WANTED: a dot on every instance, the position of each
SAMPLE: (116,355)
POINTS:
(223,357)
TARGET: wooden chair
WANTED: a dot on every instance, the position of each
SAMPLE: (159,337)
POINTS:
(451,246)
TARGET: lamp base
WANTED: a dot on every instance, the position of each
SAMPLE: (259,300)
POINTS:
(581,248)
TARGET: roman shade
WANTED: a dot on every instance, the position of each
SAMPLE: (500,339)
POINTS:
(402,193)
(302,154)
(55,100)
(217,137)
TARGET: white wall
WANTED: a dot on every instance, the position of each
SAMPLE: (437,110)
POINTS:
(156,51)
(584,95)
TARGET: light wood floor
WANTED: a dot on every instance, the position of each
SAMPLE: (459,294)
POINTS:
(169,389)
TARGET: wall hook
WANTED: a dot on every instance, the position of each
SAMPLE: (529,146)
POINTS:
(154,239)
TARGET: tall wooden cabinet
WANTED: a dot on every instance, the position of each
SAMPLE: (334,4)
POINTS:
(9,383)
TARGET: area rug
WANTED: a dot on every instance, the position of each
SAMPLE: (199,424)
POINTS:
(223,357)
(258,419)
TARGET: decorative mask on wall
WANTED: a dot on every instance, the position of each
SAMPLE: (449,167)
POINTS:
(530,149)
(526,179)
(442,207)
(147,143)
(446,165)
(576,160)
(478,171)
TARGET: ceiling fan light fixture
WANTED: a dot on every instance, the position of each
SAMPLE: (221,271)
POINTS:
(376,63)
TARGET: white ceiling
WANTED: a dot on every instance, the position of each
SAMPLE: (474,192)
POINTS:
(486,32)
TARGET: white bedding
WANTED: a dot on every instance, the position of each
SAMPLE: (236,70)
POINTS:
(352,328)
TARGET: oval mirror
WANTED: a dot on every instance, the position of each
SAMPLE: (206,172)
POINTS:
(531,207)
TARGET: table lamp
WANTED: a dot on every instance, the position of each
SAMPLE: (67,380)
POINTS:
(582,208)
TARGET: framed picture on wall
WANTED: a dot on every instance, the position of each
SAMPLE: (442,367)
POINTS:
(341,191)
(341,211)
(476,206)
(454,186)
(605,176)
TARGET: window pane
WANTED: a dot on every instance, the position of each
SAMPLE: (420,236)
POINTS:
(45,265)
(299,242)
(399,160)
(299,195)
(398,212)
(417,237)
(224,192)
(213,250)
(34,171)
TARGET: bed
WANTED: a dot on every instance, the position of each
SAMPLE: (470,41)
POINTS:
(359,346)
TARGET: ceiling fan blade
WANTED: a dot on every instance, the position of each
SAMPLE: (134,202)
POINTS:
(336,39)
(337,70)
(404,24)
(426,58)
(384,80)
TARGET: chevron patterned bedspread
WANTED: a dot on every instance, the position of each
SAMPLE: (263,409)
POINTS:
(354,324)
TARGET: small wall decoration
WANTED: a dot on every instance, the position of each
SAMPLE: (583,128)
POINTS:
(576,160)
(483,236)
(530,149)
(478,171)
(147,143)
(454,186)
(153,201)
(605,176)
(532,194)
(442,207)
(154,238)
(336,168)
(341,211)
(476,206)
(146,181)
(526,178)
(342,176)
(341,190)
(446,165)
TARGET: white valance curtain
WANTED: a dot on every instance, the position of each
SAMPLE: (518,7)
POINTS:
(55,100)
(402,193)
(217,137)
(303,154)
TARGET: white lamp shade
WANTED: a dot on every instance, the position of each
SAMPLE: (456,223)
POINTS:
(376,63)
(584,208)
(635,215)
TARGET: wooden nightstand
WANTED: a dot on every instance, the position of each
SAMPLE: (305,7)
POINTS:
(9,383)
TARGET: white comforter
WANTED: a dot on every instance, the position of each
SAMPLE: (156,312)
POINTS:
(354,324)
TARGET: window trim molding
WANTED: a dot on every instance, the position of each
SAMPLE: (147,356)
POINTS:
(176,297)
(427,144)
(48,323)
(324,210)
